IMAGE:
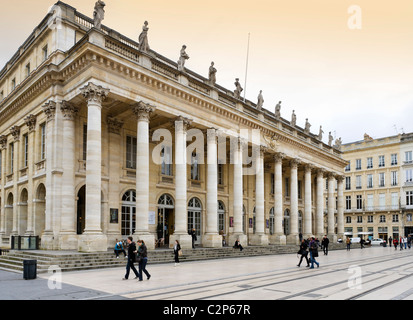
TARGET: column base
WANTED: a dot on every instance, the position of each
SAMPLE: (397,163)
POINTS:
(243,239)
(92,242)
(212,240)
(293,239)
(47,241)
(259,240)
(148,238)
(279,239)
(68,241)
(185,240)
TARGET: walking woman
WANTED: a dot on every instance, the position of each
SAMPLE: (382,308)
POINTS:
(131,259)
(313,253)
(303,251)
(177,248)
(143,259)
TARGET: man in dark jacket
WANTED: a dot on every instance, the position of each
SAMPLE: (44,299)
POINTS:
(303,251)
(324,244)
(131,259)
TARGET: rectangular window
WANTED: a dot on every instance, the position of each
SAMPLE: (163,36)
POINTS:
(358,182)
(131,143)
(348,183)
(395,200)
(13,84)
(369,219)
(369,181)
(166,167)
(409,217)
(408,157)
(381,161)
(348,202)
(272,182)
(84,142)
(359,202)
(45,53)
(348,219)
(369,162)
(359,219)
(26,150)
(27,69)
(358,164)
(381,179)
(395,218)
(409,198)
(369,202)
(11,157)
(409,175)
(394,159)
(287,187)
(195,167)
(221,175)
(348,167)
(382,218)
(43,141)
(382,201)
(299,189)
(394,178)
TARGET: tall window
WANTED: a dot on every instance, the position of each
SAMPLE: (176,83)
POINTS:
(358,182)
(299,190)
(382,218)
(348,167)
(348,202)
(195,166)
(11,157)
(287,187)
(45,52)
(43,141)
(348,183)
(166,155)
(408,157)
(370,219)
(395,218)
(382,200)
(26,150)
(369,162)
(394,178)
(348,219)
(381,161)
(359,202)
(369,181)
(381,179)
(409,175)
(359,219)
(409,198)
(358,164)
(395,200)
(370,202)
(220,174)
(394,159)
(27,69)
(131,144)
(84,141)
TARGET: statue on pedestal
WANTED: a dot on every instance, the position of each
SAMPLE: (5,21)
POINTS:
(98,14)
(338,143)
(320,134)
(182,58)
(307,126)
(278,110)
(293,119)
(238,90)
(330,139)
(260,101)
(212,74)
(143,38)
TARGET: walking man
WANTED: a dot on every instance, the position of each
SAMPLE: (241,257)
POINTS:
(324,244)
(131,259)
(303,251)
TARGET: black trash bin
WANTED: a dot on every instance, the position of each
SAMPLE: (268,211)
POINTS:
(29,269)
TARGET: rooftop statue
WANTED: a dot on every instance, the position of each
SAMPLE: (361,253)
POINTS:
(99,14)
(212,74)
(293,119)
(182,58)
(320,134)
(278,110)
(330,139)
(338,143)
(238,90)
(143,38)
(307,126)
(260,101)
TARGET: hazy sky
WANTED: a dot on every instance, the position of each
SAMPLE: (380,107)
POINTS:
(350,81)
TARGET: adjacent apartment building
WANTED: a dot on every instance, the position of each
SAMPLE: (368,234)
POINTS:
(378,187)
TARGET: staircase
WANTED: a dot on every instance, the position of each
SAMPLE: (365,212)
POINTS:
(73,261)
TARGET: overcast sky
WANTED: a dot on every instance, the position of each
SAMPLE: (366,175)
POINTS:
(350,81)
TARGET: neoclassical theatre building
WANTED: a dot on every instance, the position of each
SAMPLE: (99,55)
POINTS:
(86,157)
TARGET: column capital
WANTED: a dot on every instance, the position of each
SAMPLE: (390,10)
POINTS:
(212,135)
(114,125)
(30,121)
(320,172)
(49,108)
(279,156)
(92,92)
(308,167)
(143,110)
(186,122)
(3,141)
(294,163)
(69,110)
(15,132)
(331,175)
(340,178)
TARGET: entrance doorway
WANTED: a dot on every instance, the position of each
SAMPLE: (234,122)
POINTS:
(128,213)
(166,219)
(81,209)
(194,218)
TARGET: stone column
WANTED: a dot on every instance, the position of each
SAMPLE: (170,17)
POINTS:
(143,112)
(331,208)
(340,207)
(3,143)
(237,147)
(15,131)
(307,231)
(93,239)
(115,165)
(211,238)
(279,236)
(181,206)
(30,121)
(293,238)
(47,240)
(320,204)
(259,238)
(68,239)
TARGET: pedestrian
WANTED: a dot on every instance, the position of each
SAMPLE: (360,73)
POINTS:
(131,259)
(405,242)
(401,243)
(409,241)
(143,259)
(303,252)
(395,243)
(348,243)
(361,243)
(324,244)
(177,249)
(238,245)
(119,248)
(300,236)
(390,242)
(193,235)
(313,253)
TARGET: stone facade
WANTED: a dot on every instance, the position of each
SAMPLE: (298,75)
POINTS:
(82,133)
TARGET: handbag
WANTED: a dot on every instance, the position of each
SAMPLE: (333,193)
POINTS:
(180,252)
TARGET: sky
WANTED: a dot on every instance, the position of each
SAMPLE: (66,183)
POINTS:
(349,71)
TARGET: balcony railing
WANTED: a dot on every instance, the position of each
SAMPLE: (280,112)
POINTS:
(374,208)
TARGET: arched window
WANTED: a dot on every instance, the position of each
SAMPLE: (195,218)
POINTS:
(128,213)
(194,217)
(166,200)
